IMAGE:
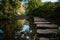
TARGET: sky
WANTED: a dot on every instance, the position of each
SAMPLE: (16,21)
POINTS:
(44,0)
(49,0)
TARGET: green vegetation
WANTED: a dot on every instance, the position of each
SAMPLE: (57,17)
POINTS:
(8,13)
(9,10)
(47,10)
(32,5)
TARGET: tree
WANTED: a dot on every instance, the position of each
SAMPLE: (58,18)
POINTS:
(32,4)
(54,17)
(47,10)
(8,13)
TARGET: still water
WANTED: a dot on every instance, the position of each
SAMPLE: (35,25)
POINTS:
(1,34)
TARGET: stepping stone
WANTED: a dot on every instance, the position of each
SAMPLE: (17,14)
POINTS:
(42,38)
(46,31)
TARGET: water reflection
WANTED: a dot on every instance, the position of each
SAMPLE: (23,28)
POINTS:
(25,28)
(1,34)
(24,32)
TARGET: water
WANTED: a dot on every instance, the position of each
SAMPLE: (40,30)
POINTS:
(1,34)
(25,28)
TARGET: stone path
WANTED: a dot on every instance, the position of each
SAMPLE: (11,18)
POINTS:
(45,29)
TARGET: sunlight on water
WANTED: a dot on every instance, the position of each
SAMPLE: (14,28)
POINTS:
(1,31)
(25,28)
(59,28)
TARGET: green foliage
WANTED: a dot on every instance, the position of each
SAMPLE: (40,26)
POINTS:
(54,17)
(48,10)
(15,4)
(8,15)
(33,4)
(9,8)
